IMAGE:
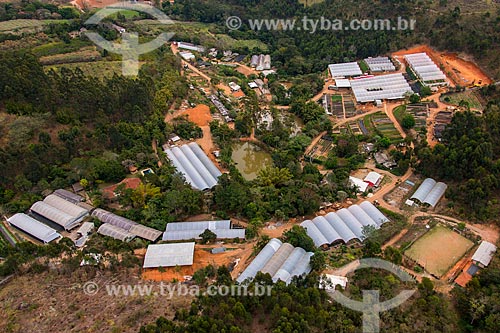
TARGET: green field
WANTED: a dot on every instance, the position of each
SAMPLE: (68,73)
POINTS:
(100,69)
(467,96)
(439,249)
(16,25)
(385,127)
(336,98)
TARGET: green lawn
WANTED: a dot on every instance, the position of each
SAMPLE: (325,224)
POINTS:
(399,113)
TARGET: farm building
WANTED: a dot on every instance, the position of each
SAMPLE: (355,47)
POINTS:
(373,178)
(484,254)
(125,226)
(187,55)
(380,64)
(426,70)
(115,232)
(347,69)
(194,165)
(383,87)
(344,225)
(69,196)
(343,83)
(280,260)
(193,230)
(330,282)
(429,192)
(60,211)
(359,183)
(34,228)
(169,255)
(254,61)
(191,47)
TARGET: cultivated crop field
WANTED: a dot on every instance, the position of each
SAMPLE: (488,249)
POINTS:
(99,69)
(15,25)
(439,249)
(385,126)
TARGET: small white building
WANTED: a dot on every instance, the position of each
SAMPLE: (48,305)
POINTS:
(484,254)
(330,282)
(359,183)
(373,178)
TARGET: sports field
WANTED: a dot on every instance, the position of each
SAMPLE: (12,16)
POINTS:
(439,249)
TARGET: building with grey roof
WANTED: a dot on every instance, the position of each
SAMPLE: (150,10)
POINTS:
(55,215)
(380,64)
(192,230)
(126,225)
(484,253)
(429,192)
(115,232)
(34,228)
(69,196)
(281,260)
(347,69)
(344,225)
(169,255)
(198,170)
(426,70)
(383,87)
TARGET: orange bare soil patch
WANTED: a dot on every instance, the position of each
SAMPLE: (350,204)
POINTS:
(245,70)
(224,88)
(462,72)
(200,115)
(93,3)
(202,258)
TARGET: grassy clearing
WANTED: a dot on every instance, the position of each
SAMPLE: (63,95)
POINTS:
(99,69)
(467,96)
(88,55)
(54,48)
(363,65)
(16,25)
(439,249)
(399,113)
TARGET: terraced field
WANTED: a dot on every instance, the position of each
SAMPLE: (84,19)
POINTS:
(385,127)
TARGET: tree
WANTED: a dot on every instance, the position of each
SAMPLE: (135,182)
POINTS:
(408,121)
(318,261)
(208,236)
(384,142)
(414,98)
(297,236)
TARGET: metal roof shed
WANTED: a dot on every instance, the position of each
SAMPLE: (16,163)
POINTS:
(260,260)
(340,227)
(313,232)
(424,189)
(435,195)
(285,271)
(278,259)
(66,206)
(115,232)
(145,232)
(69,196)
(373,212)
(116,220)
(53,214)
(169,255)
(484,253)
(33,227)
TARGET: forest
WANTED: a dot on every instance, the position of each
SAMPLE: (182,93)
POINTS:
(439,24)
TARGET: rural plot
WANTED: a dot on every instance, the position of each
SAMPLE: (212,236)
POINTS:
(439,250)
(385,127)
(467,96)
